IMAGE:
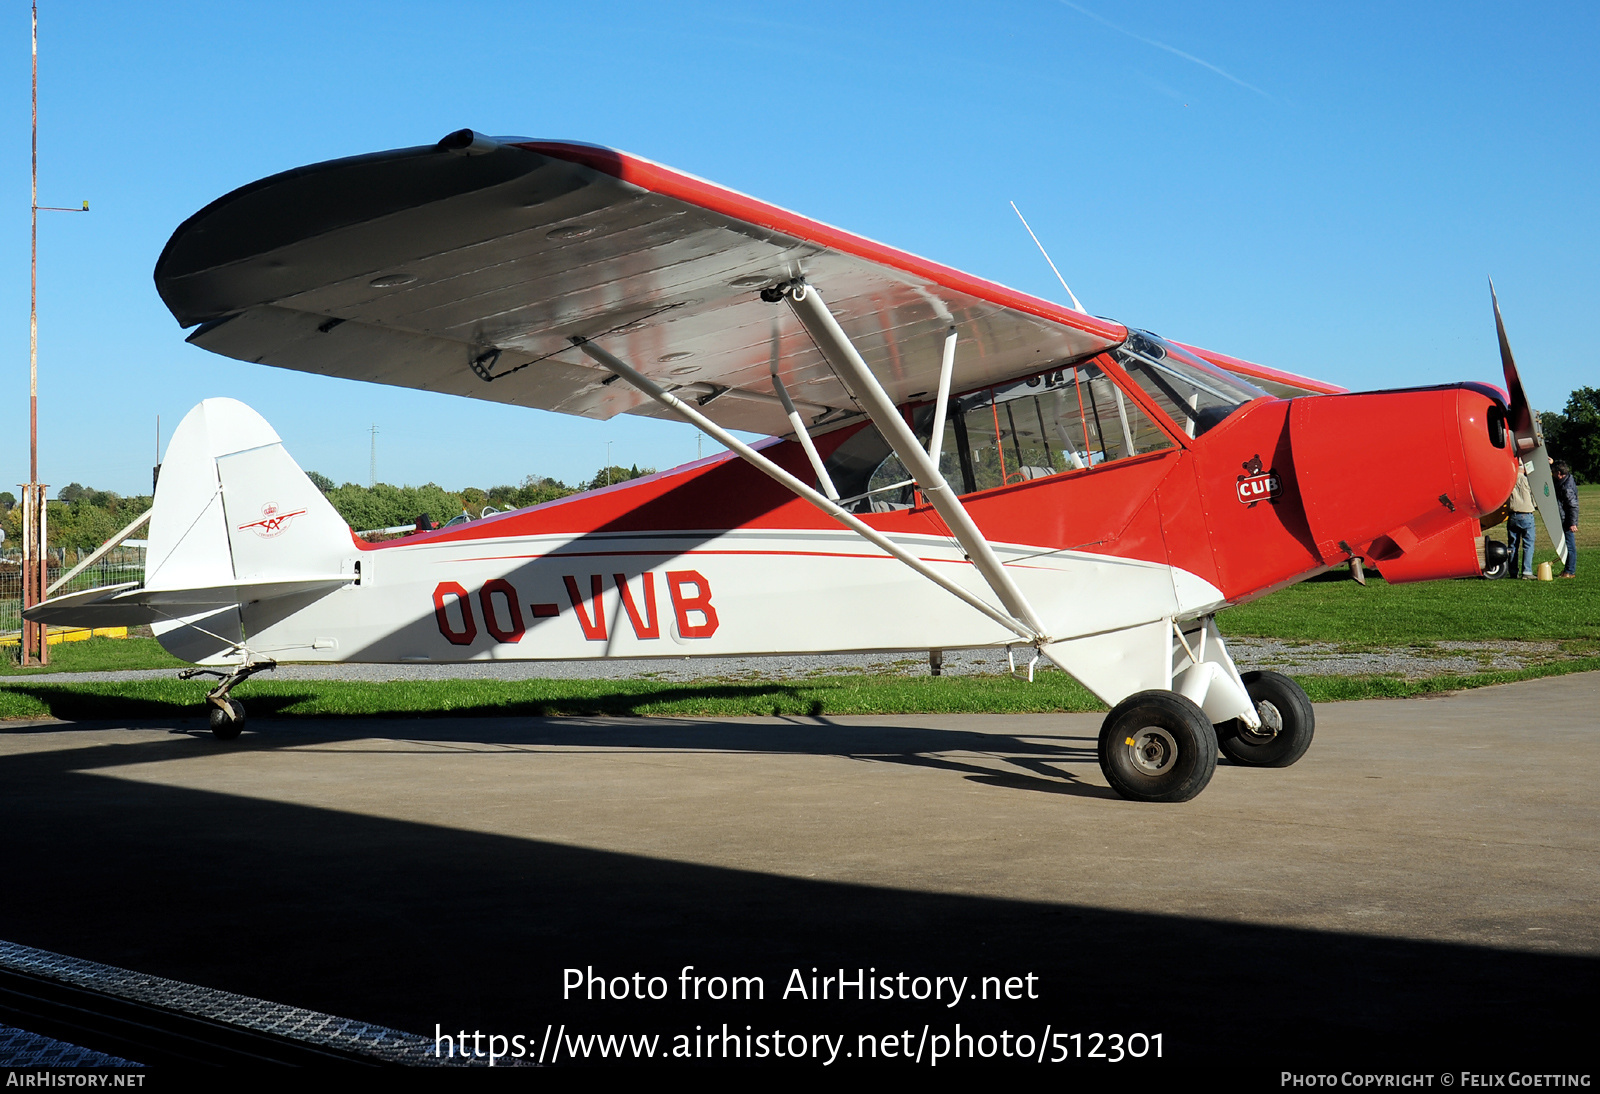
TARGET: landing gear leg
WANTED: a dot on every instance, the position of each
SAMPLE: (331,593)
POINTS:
(1157,746)
(227,714)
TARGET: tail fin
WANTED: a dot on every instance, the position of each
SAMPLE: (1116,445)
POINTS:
(234,522)
(234,519)
(232,508)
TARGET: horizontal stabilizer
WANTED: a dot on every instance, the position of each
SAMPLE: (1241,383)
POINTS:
(129,606)
(91,608)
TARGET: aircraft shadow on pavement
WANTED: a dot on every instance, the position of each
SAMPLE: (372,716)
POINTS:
(410,925)
(74,703)
(1033,758)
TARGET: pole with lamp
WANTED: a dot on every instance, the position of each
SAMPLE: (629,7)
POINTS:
(35,538)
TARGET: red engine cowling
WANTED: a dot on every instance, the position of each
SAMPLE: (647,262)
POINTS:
(1401,477)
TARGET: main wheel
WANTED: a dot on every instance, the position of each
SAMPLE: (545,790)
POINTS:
(1157,746)
(227,724)
(1287,723)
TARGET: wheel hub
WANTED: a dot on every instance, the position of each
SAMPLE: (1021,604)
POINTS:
(1271,724)
(1153,749)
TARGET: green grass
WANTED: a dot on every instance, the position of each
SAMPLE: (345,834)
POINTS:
(94,655)
(1440,611)
(1431,611)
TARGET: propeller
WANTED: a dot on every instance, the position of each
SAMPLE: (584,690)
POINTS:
(1527,439)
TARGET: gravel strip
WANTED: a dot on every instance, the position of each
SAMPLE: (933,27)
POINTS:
(1293,658)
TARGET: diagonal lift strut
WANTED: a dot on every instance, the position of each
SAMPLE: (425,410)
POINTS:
(846,361)
(1028,631)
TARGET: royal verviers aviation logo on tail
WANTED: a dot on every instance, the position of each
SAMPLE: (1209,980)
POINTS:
(1256,484)
(272,522)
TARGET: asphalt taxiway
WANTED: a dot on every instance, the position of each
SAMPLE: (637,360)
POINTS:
(1420,891)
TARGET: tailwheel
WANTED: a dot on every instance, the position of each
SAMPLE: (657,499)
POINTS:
(1157,746)
(1287,723)
(227,719)
(227,713)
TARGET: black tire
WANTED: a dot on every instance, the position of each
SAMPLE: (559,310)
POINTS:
(1492,569)
(226,725)
(1157,746)
(1288,722)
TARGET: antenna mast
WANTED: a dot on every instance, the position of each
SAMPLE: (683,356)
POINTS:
(1075,305)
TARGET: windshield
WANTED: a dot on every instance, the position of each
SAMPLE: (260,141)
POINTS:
(1194,394)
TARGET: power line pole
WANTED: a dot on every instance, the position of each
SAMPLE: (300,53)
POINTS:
(35,538)
(372,468)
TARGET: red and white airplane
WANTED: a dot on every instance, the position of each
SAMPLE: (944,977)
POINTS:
(952,464)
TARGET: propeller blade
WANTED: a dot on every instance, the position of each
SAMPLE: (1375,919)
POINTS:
(1528,439)
(1523,421)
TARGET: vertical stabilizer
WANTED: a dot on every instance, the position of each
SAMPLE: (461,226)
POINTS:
(232,509)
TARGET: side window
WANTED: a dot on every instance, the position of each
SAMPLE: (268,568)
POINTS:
(1068,419)
(1065,420)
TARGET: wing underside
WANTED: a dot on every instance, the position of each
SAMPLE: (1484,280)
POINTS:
(470,267)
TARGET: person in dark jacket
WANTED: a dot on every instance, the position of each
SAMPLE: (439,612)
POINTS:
(1567,499)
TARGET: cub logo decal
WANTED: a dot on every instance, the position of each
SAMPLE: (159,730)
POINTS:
(1256,484)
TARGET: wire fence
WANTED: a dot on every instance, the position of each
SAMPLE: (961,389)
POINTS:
(121,565)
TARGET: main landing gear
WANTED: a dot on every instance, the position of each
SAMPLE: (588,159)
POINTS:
(227,714)
(1158,746)
(1287,723)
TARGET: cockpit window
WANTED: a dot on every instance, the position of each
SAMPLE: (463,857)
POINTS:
(1064,420)
(1194,394)
(1067,419)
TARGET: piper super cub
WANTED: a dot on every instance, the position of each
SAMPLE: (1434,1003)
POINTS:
(952,464)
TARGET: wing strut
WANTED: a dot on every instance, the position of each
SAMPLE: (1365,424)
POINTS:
(942,406)
(800,432)
(842,355)
(1031,633)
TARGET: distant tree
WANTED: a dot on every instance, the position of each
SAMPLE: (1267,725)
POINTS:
(1574,434)
(610,476)
(535,490)
(70,493)
(320,481)
(81,526)
(386,506)
(7,500)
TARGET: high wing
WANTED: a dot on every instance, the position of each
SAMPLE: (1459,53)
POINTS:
(471,266)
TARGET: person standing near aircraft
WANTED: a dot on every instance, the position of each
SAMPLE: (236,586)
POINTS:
(1519,526)
(1567,498)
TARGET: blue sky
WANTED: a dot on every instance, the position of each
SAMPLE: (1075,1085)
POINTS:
(1320,188)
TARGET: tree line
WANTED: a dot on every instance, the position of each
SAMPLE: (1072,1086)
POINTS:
(1574,434)
(81,518)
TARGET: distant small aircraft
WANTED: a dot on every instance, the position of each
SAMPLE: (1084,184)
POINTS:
(953,464)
